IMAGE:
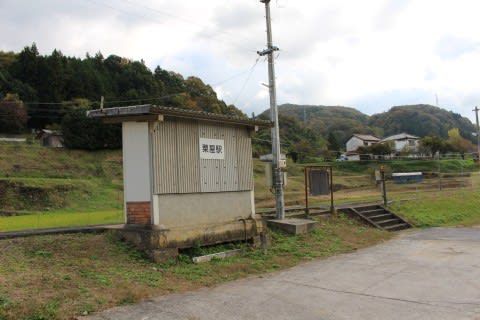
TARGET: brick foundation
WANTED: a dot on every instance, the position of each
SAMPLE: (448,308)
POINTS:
(139,213)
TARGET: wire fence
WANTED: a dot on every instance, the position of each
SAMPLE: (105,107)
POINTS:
(437,179)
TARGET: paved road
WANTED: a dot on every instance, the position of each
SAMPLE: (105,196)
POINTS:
(429,274)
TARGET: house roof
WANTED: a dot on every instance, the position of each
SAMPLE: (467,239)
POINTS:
(46,132)
(400,136)
(365,137)
(148,112)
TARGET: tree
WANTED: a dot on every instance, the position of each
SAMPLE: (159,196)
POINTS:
(432,144)
(81,132)
(378,149)
(333,144)
(383,148)
(457,143)
(13,115)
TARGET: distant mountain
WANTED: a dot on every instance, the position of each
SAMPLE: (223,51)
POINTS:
(422,120)
(341,121)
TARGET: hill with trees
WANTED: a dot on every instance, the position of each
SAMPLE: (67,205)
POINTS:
(72,81)
(53,86)
(339,123)
(422,120)
(38,91)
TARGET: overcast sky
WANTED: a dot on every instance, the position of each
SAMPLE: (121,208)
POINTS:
(370,55)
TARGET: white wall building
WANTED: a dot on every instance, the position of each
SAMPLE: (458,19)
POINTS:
(404,142)
(188,177)
(360,140)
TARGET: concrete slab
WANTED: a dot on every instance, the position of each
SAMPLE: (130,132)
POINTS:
(421,274)
(292,225)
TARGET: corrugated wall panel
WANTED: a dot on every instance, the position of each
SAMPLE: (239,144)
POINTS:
(244,156)
(229,166)
(177,166)
(209,168)
(188,157)
(165,157)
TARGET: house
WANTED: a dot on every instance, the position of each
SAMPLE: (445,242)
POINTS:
(188,178)
(360,140)
(50,138)
(404,142)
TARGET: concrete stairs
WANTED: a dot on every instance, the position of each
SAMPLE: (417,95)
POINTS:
(378,216)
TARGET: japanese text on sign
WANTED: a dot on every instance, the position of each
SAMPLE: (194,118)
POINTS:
(212,149)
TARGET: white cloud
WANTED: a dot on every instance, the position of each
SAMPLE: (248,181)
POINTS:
(367,54)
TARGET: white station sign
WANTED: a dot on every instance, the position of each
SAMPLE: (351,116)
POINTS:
(212,149)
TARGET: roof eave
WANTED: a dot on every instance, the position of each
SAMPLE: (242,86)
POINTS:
(152,113)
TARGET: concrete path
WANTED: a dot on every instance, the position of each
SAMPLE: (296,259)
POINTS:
(429,274)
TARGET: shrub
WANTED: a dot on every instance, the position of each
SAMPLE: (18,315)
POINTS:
(81,132)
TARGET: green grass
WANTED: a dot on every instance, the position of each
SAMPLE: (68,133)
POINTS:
(63,276)
(49,187)
(368,167)
(60,219)
(447,208)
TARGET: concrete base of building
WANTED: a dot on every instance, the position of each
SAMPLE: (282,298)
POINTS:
(292,225)
(162,244)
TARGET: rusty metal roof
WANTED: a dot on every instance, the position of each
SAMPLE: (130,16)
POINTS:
(139,112)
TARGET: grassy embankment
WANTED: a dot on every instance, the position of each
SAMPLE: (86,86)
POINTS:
(54,188)
(57,277)
(44,187)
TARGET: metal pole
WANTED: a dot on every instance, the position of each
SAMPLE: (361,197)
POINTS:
(332,208)
(306,191)
(478,133)
(384,189)
(278,174)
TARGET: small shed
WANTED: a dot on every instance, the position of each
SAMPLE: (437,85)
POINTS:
(50,138)
(188,177)
(407,177)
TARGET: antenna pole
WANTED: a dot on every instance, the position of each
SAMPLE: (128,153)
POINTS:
(276,152)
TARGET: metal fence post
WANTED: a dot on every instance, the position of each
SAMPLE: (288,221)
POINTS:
(306,190)
(384,189)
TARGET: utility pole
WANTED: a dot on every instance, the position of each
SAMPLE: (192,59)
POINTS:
(277,161)
(478,132)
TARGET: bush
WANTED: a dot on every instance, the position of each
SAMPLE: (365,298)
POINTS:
(81,132)
(13,115)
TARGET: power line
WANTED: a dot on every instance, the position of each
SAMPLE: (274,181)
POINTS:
(176,17)
(246,80)
(163,12)
(71,102)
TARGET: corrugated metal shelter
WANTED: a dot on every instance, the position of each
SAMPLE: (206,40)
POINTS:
(188,174)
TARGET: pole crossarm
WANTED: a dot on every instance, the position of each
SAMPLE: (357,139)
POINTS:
(267,51)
